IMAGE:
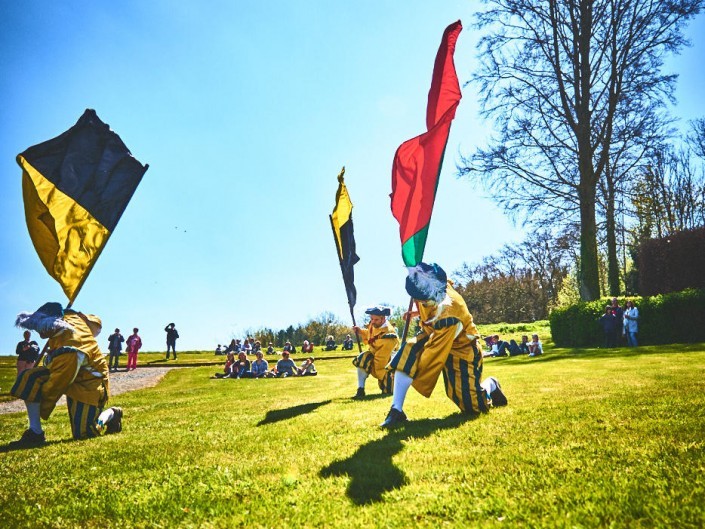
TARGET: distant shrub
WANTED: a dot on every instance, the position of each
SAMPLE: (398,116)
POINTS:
(678,317)
(672,263)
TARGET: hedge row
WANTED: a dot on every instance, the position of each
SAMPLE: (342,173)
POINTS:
(678,317)
(672,263)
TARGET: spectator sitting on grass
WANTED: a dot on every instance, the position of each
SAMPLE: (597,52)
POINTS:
(270,349)
(497,347)
(227,370)
(516,349)
(535,347)
(234,346)
(241,368)
(348,343)
(256,347)
(330,343)
(307,368)
(307,347)
(289,348)
(285,366)
(260,367)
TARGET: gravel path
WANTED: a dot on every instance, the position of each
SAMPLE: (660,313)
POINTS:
(120,382)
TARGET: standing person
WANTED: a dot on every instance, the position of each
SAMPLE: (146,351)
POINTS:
(619,314)
(381,339)
(631,325)
(74,367)
(28,352)
(134,343)
(115,341)
(171,335)
(610,328)
(446,344)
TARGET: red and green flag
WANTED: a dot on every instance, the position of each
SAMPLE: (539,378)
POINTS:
(418,161)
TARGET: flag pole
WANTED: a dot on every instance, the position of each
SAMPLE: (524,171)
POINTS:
(342,272)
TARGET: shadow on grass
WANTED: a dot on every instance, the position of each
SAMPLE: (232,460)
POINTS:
(370,468)
(8,448)
(290,413)
(554,355)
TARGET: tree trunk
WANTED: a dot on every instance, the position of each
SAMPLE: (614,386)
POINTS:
(611,231)
(588,273)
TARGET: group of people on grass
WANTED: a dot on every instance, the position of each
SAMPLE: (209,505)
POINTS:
(619,322)
(240,367)
(498,347)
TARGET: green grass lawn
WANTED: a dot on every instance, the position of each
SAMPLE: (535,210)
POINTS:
(591,438)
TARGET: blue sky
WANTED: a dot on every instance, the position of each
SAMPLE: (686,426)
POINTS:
(245,112)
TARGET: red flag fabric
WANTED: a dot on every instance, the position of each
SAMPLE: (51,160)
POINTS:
(418,161)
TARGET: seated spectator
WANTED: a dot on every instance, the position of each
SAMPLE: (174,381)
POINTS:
(348,343)
(610,327)
(535,347)
(270,349)
(285,366)
(289,348)
(228,369)
(260,367)
(307,347)
(219,351)
(241,368)
(247,346)
(307,368)
(234,346)
(330,344)
(497,347)
(256,347)
(516,349)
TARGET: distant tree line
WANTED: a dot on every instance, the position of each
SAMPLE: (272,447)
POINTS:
(315,330)
(520,282)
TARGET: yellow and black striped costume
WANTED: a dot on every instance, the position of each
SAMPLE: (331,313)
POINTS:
(381,342)
(447,343)
(75,367)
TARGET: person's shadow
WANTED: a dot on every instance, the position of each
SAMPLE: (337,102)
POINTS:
(370,468)
(289,413)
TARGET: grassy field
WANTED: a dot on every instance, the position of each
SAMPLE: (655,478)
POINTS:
(591,438)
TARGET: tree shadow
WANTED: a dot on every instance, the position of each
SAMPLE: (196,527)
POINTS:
(370,468)
(273,416)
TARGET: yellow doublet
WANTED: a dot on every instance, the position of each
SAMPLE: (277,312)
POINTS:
(446,344)
(90,384)
(381,342)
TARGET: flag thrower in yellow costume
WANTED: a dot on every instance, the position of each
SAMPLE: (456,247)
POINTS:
(446,344)
(75,367)
(381,340)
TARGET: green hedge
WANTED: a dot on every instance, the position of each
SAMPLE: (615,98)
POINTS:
(678,317)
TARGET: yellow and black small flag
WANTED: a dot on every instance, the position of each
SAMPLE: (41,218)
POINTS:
(341,221)
(76,187)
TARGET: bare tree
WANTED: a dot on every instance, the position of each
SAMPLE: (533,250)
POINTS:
(556,77)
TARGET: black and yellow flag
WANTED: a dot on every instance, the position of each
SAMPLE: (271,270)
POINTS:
(76,187)
(341,221)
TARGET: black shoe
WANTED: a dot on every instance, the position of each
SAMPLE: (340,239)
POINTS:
(360,394)
(115,424)
(394,418)
(498,398)
(29,439)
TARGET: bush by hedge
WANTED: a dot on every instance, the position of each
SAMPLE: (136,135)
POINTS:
(678,317)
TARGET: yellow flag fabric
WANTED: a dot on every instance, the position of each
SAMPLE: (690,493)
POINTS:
(76,187)
(67,238)
(341,221)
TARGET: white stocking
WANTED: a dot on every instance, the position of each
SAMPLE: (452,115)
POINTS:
(361,377)
(35,421)
(402,383)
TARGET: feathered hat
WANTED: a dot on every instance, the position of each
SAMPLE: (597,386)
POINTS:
(426,282)
(378,310)
(46,320)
